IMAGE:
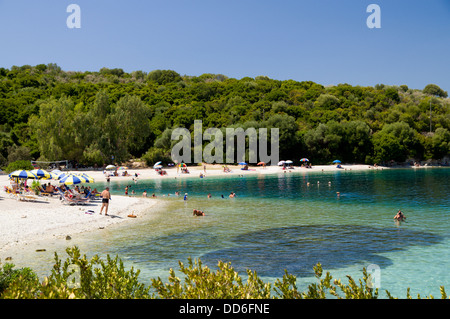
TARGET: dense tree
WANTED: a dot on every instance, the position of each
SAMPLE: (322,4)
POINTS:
(440,143)
(164,76)
(433,89)
(397,142)
(110,115)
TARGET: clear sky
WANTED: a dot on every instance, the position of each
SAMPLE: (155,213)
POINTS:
(325,41)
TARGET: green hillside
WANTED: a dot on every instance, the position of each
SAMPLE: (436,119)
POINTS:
(88,117)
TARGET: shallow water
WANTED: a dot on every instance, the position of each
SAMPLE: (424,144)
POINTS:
(278,222)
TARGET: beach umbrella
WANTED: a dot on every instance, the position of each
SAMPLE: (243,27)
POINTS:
(261,163)
(54,175)
(73,179)
(41,173)
(157,166)
(242,163)
(182,165)
(304,160)
(123,167)
(336,161)
(281,163)
(23,174)
(89,178)
(62,175)
(159,163)
(110,167)
(289,162)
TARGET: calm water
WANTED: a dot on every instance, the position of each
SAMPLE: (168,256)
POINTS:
(278,222)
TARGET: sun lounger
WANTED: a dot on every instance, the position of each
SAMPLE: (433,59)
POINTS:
(27,197)
(45,193)
(74,200)
(12,193)
(68,201)
(59,192)
(91,196)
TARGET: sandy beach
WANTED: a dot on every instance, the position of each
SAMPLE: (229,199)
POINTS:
(23,222)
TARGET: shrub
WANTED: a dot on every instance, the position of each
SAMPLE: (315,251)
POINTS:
(81,278)
(19,165)
(9,275)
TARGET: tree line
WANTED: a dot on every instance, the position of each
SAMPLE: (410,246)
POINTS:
(95,118)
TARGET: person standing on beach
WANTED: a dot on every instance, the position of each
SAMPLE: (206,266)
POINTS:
(106,196)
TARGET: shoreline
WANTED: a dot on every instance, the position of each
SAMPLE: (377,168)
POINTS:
(25,223)
(22,223)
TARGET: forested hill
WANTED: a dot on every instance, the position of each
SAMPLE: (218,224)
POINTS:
(50,114)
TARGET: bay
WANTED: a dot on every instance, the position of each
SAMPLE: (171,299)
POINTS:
(293,221)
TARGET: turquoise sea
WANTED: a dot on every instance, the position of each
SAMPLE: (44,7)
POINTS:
(279,222)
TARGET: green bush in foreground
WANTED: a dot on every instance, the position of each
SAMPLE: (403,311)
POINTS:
(80,278)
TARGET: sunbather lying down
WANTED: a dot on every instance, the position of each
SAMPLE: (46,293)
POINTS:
(74,200)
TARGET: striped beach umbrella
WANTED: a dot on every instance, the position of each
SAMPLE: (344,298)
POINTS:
(89,178)
(61,175)
(41,173)
(73,179)
(54,175)
(23,174)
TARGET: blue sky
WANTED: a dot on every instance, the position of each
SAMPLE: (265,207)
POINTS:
(325,41)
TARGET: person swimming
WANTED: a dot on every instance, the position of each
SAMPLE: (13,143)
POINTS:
(400,217)
(197,212)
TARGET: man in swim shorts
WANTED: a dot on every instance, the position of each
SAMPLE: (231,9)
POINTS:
(106,196)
